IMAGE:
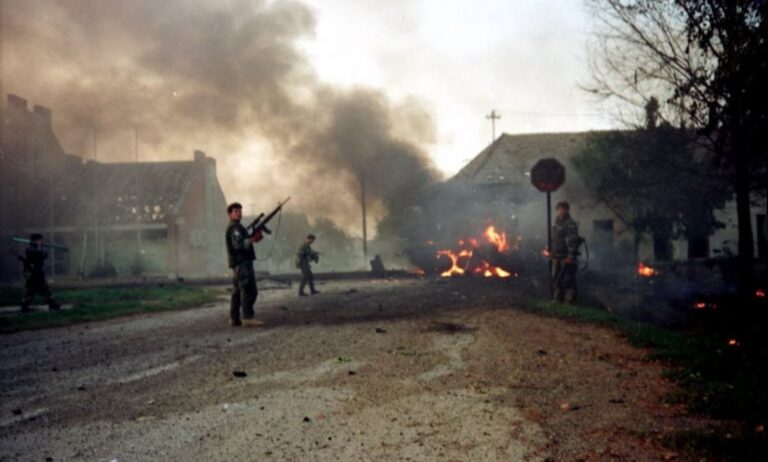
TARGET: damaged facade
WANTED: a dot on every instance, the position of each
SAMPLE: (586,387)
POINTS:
(501,173)
(143,218)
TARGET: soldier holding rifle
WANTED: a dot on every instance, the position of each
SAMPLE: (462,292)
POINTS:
(565,250)
(304,257)
(34,275)
(240,241)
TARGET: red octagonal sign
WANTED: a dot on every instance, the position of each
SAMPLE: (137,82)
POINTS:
(548,175)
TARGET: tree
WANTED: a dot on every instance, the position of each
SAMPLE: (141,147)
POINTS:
(707,59)
(654,181)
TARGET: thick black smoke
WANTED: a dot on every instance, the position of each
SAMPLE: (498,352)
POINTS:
(225,77)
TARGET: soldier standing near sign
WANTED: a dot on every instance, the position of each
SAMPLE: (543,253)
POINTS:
(34,275)
(241,257)
(565,250)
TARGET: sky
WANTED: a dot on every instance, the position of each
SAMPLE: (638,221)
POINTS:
(302,98)
(462,59)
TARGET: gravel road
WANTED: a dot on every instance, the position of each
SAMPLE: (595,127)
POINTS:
(368,370)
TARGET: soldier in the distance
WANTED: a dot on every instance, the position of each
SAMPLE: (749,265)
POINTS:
(304,257)
(241,256)
(34,274)
(565,250)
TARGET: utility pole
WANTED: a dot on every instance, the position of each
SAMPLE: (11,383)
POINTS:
(138,189)
(493,116)
(365,225)
(97,237)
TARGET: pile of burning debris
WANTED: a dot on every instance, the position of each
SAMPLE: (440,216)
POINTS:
(488,254)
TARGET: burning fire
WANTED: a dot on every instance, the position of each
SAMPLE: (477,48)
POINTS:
(490,271)
(733,342)
(645,270)
(760,293)
(462,259)
(455,268)
(499,240)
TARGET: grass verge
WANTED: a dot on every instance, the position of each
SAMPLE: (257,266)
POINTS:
(716,376)
(95,304)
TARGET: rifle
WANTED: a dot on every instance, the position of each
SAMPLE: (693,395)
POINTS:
(50,246)
(259,224)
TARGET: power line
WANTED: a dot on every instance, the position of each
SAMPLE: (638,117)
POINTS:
(556,114)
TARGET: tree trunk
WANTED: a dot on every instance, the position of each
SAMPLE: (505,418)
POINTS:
(745,259)
(636,247)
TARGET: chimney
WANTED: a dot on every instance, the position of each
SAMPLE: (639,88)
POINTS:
(45,115)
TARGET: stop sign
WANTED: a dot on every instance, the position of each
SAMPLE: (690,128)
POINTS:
(548,175)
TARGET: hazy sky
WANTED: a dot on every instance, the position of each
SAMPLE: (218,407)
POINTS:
(462,59)
(302,97)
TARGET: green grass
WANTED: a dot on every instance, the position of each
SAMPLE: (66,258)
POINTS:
(715,379)
(95,304)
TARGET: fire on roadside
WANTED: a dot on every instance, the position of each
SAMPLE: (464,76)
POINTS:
(704,305)
(645,270)
(462,261)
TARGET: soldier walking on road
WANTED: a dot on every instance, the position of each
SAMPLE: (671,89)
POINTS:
(241,256)
(34,275)
(565,250)
(304,257)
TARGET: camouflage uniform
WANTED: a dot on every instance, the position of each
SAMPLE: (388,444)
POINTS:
(34,278)
(241,257)
(565,243)
(304,256)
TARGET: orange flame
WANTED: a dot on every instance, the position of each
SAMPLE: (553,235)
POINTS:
(455,268)
(646,271)
(499,240)
(733,342)
(490,236)
(700,305)
(489,271)
(760,293)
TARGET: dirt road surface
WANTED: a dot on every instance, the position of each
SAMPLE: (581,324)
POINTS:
(368,370)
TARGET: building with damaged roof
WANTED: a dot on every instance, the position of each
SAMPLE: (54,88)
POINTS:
(501,173)
(117,218)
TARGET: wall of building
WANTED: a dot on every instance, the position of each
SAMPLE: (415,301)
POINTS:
(200,222)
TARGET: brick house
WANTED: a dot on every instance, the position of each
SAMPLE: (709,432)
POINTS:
(161,218)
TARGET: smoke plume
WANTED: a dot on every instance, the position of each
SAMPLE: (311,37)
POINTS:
(228,78)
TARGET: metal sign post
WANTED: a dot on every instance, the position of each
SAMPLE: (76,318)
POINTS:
(549,241)
(547,176)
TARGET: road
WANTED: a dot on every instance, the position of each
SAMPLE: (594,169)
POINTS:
(367,370)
